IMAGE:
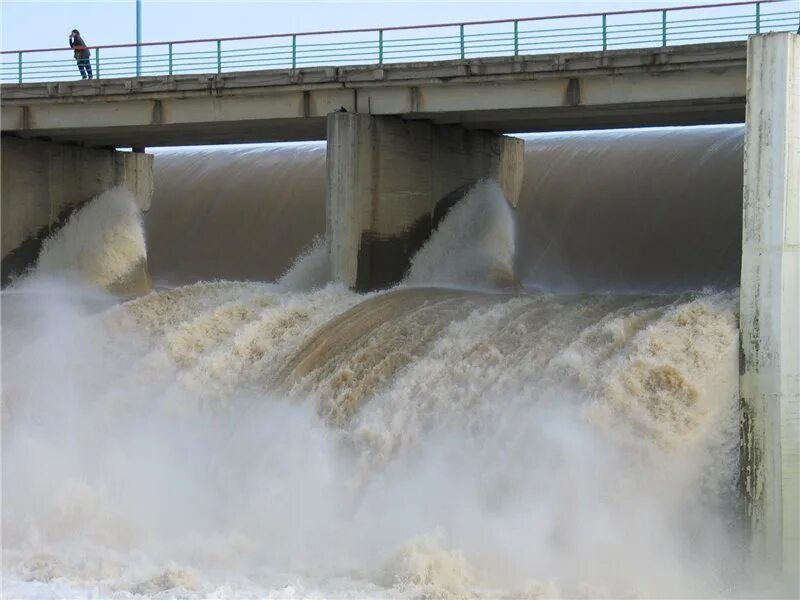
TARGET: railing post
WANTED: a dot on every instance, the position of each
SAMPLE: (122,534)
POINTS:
(170,57)
(758,17)
(219,56)
(664,27)
(294,51)
(97,63)
(516,38)
(605,34)
(19,67)
(462,41)
(380,46)
(138,37)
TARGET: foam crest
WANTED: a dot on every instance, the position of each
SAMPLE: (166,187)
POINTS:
(311,269)
(102,244)
(473,246)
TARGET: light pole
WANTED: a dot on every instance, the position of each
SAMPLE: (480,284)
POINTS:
(138,38)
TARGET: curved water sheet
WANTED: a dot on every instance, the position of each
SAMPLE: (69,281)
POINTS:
(240,440)
(653,210)
(238,212)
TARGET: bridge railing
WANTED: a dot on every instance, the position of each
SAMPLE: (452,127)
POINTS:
(642,28)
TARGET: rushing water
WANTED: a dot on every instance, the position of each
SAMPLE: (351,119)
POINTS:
(294,439)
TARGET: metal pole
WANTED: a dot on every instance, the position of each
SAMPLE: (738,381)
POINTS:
(663,27)
(138,38)
(605,35)
(219,56)
(97,63)
(19,67)
(170,58)
(462,41)
(516,38)
(758,17)
(380,46)
(294,51)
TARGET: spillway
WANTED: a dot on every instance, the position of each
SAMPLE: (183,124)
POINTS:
(243,431)
(654,209)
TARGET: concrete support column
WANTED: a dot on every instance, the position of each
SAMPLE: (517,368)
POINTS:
(386,177)
(770,302)
(44,182)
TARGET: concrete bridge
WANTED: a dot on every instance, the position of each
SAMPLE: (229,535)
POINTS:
(680,85)
(412,136)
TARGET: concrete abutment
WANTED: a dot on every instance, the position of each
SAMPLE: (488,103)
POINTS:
(386,177)
(770,304)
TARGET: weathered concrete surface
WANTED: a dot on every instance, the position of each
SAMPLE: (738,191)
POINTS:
(42,182)
(770,302)
(386,177)
(658,86)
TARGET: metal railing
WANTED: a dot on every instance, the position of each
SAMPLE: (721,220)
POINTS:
(641,28)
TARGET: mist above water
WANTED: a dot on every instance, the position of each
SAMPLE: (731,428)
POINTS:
(294,439)
(468,444)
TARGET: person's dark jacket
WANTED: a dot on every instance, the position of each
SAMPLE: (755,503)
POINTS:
(77,41)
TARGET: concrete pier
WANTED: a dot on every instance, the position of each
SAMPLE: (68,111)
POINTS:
(44,182)
(770,303)
(386,178)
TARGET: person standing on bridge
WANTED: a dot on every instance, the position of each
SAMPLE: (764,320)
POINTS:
(82,54)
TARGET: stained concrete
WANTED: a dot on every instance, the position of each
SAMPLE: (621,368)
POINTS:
(386,177)
(770,303)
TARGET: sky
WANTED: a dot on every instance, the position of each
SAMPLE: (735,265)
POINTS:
(46,24)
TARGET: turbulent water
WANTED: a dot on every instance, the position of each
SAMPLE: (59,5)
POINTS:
(294,439)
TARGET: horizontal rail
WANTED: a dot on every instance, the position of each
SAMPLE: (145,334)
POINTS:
(407,27)
(530,35)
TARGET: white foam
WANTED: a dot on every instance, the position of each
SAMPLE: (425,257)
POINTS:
(153,448)
(310,270)
(102,243)
(473,246)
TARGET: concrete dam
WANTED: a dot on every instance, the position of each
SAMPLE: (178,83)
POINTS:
(418,359)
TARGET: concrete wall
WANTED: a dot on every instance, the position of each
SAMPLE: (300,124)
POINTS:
(770,302)
(42,182)
(386,177)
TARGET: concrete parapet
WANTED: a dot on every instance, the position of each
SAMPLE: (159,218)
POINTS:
(386,177)
(44,182)
(770,303)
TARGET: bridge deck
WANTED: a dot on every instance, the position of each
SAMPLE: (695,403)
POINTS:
(625,88)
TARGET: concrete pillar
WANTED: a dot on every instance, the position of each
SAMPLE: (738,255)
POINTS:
(385,179)
(44,182)
(770,302)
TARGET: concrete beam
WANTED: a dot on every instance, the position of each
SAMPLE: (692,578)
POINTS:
(386,178)
(770,303)
(44,182)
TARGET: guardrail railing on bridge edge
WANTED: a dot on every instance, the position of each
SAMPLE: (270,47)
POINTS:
(640,28)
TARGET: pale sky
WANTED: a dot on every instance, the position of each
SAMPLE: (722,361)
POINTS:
(44,24)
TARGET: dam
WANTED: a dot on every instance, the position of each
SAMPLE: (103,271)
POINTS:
(604,378)
(417,359)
